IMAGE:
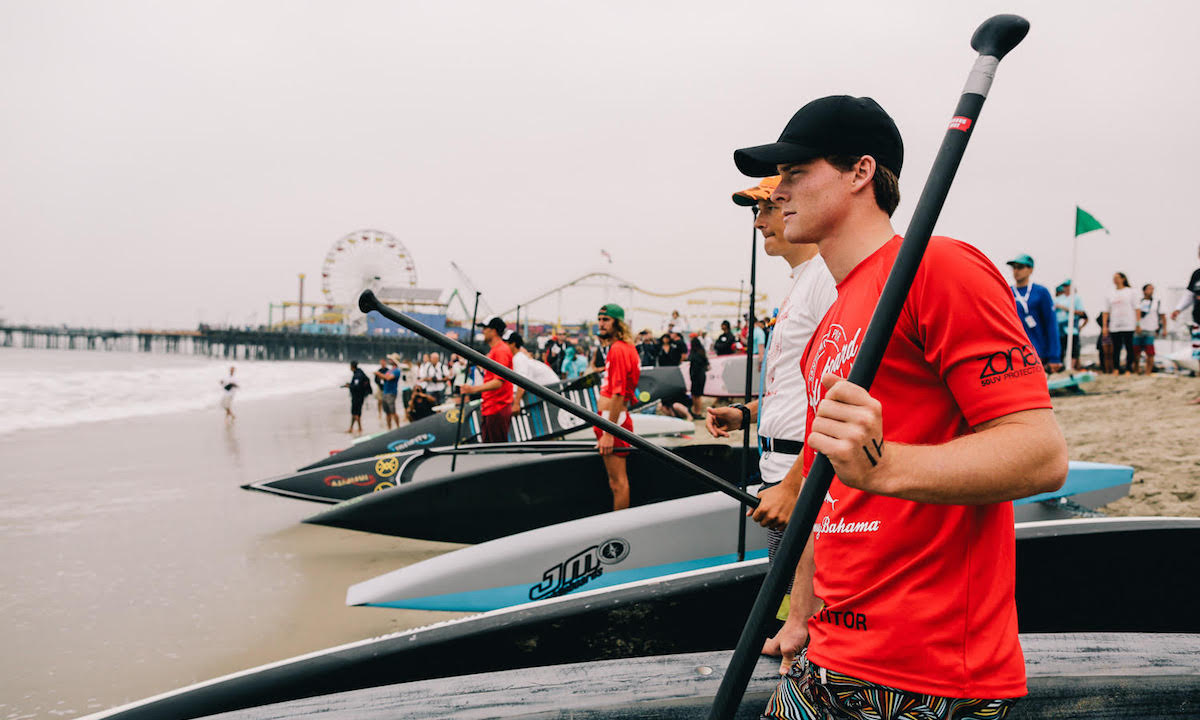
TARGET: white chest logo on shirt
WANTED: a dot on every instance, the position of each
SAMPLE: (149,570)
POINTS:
(835,352)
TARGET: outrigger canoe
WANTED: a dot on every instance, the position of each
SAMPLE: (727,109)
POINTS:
(614,548)
(1065,584)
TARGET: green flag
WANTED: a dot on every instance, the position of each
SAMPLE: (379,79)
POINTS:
(1085,223)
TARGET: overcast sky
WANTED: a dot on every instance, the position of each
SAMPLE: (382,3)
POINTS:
(171,162)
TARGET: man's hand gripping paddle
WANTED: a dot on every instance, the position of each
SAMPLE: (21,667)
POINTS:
(368,302)
(993,40)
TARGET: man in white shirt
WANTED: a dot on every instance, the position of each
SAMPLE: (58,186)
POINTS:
(527,366)
(432,375)
(783,405)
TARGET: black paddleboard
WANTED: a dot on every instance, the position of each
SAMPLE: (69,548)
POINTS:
(1091,575)
(367,476)
(1112,675)
(473,505)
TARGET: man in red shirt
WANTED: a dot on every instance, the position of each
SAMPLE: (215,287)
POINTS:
(904,594)
(497,392)
(622,372)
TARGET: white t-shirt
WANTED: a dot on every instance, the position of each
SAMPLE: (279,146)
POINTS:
(229,385)
(432,376)
(535,370)
(1151,309)
(783,408)
(1122,310)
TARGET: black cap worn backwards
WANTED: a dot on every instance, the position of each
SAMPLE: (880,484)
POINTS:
(834,125)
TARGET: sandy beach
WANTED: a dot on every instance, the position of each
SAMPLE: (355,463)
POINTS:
(134,563)
(1149,422)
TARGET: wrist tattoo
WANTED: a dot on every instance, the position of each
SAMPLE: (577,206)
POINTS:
(878,452)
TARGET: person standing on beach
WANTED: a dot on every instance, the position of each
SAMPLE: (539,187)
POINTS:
(616,394)
(926,462)
(496,409)
(229,386)
(389,374)
(1191,298)
(383,368)
(780,431)
(1035,307)
(360,388)
(1063,314)
(1151,324)
(1120,320)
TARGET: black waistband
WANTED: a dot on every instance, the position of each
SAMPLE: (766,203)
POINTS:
(787,447)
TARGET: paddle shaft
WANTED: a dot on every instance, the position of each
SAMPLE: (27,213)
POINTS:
(741,551)
(463,405)
(367,302)
(993,40)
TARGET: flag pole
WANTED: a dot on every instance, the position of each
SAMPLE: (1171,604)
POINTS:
(1071,340)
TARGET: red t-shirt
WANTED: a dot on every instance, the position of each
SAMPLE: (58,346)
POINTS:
(918,596)
(496,400)
(623,370)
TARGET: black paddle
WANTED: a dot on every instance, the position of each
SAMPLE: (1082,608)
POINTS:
(368,302)
(464,403)
(993,40)
(741,552)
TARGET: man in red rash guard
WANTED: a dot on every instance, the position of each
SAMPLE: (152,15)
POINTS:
(622,372)
(497,392)
(904,593)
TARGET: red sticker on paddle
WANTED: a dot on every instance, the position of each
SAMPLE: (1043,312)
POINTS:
(958,122)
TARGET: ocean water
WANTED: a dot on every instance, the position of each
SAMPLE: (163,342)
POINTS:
(55,388)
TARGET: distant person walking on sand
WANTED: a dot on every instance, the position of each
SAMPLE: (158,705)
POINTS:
(1152,323)
(497,392)
(229,386)
(360,388)
(1120,321)
(1062,302)
(389,375)
(1035,307)
(617,392)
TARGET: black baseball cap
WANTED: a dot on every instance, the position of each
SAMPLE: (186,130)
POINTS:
(514,337)
(834,125)
(494,323)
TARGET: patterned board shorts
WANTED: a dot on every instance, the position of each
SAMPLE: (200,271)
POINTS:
(809,692)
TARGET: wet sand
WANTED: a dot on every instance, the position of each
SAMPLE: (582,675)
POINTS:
(134,564)
(1148,422)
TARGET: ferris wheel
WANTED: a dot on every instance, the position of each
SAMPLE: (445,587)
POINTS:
(365,259)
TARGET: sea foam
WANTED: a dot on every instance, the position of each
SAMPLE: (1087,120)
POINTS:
(55,388)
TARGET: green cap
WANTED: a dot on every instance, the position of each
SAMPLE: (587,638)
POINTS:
(613,311)
(1022,259)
